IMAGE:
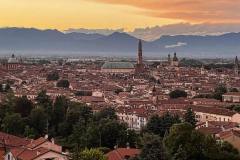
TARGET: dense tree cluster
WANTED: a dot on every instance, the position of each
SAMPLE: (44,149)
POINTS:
(63,83)
(169,138)
(54,76)
(177,94)
(73,125)
(217,94)
(89,135)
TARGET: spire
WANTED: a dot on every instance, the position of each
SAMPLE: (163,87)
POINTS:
(169,58)
(236,61)
(140,52)
(236,66)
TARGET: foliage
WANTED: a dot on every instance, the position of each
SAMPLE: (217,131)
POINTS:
(189,117)
(177,93)
(13,124)
(183,142)
(152,148)
(219,91)
(23,106)
(233,90)
(91,154)
(106,113)
(63,83)
(54,76)
(83,93)
(160,125)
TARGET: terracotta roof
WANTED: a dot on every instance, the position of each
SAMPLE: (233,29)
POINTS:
(36,142)
(121,153)
(210,130)
(13,141)
(27,154)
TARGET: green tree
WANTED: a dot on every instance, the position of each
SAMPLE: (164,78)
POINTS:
(91,154)
(23,106)
(160,125)
(13,124)
(189,117)
(184,142)
(190,141)
(177,93)
(152,148)
(106,113)
(59,112)
(54,76)
(43,99)
(219,91)
(63,83)
(233,90)
(38,120)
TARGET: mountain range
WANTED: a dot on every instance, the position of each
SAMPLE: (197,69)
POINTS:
(47,42)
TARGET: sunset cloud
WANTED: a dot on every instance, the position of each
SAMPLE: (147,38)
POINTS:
(188,10)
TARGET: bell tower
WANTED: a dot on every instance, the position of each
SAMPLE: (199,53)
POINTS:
(236,67)
(140,65)
(140,59)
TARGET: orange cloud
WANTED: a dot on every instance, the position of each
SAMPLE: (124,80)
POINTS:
(188,10)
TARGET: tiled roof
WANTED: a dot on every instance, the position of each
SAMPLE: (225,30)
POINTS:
(13,141)
(121,153)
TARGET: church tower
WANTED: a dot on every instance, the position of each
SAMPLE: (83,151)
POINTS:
(140,65)
(140,59)
(236,66)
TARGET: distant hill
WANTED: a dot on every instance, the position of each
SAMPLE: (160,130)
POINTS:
(36,41)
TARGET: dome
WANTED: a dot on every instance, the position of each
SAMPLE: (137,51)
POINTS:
(13,59)
(175,57)
(118,65)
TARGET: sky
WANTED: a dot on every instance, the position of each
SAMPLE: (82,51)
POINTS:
(115,14)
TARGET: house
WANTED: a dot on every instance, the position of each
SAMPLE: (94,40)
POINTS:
(232,97)
(122,153)
(17,148)
(231,136)
(136,118)
(36,154)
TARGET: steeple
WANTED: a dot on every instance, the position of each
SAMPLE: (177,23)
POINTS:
(140,60)
(236,66)
(169,58)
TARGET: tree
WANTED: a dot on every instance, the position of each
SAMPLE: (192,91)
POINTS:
(152,148)
(160,125)
(106,113)
(38,120)
(91,154)
(13,124)
(189,117)
(184,142)
(63,83)
(23,106)
(219,91)
(177,93)
(190,141)
(53,76)
(59,111)
(7,105)
(43,99)
(233,90)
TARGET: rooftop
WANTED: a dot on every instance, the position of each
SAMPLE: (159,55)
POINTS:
(118,65)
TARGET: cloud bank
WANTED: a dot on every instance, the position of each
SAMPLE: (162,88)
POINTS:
(214,11)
